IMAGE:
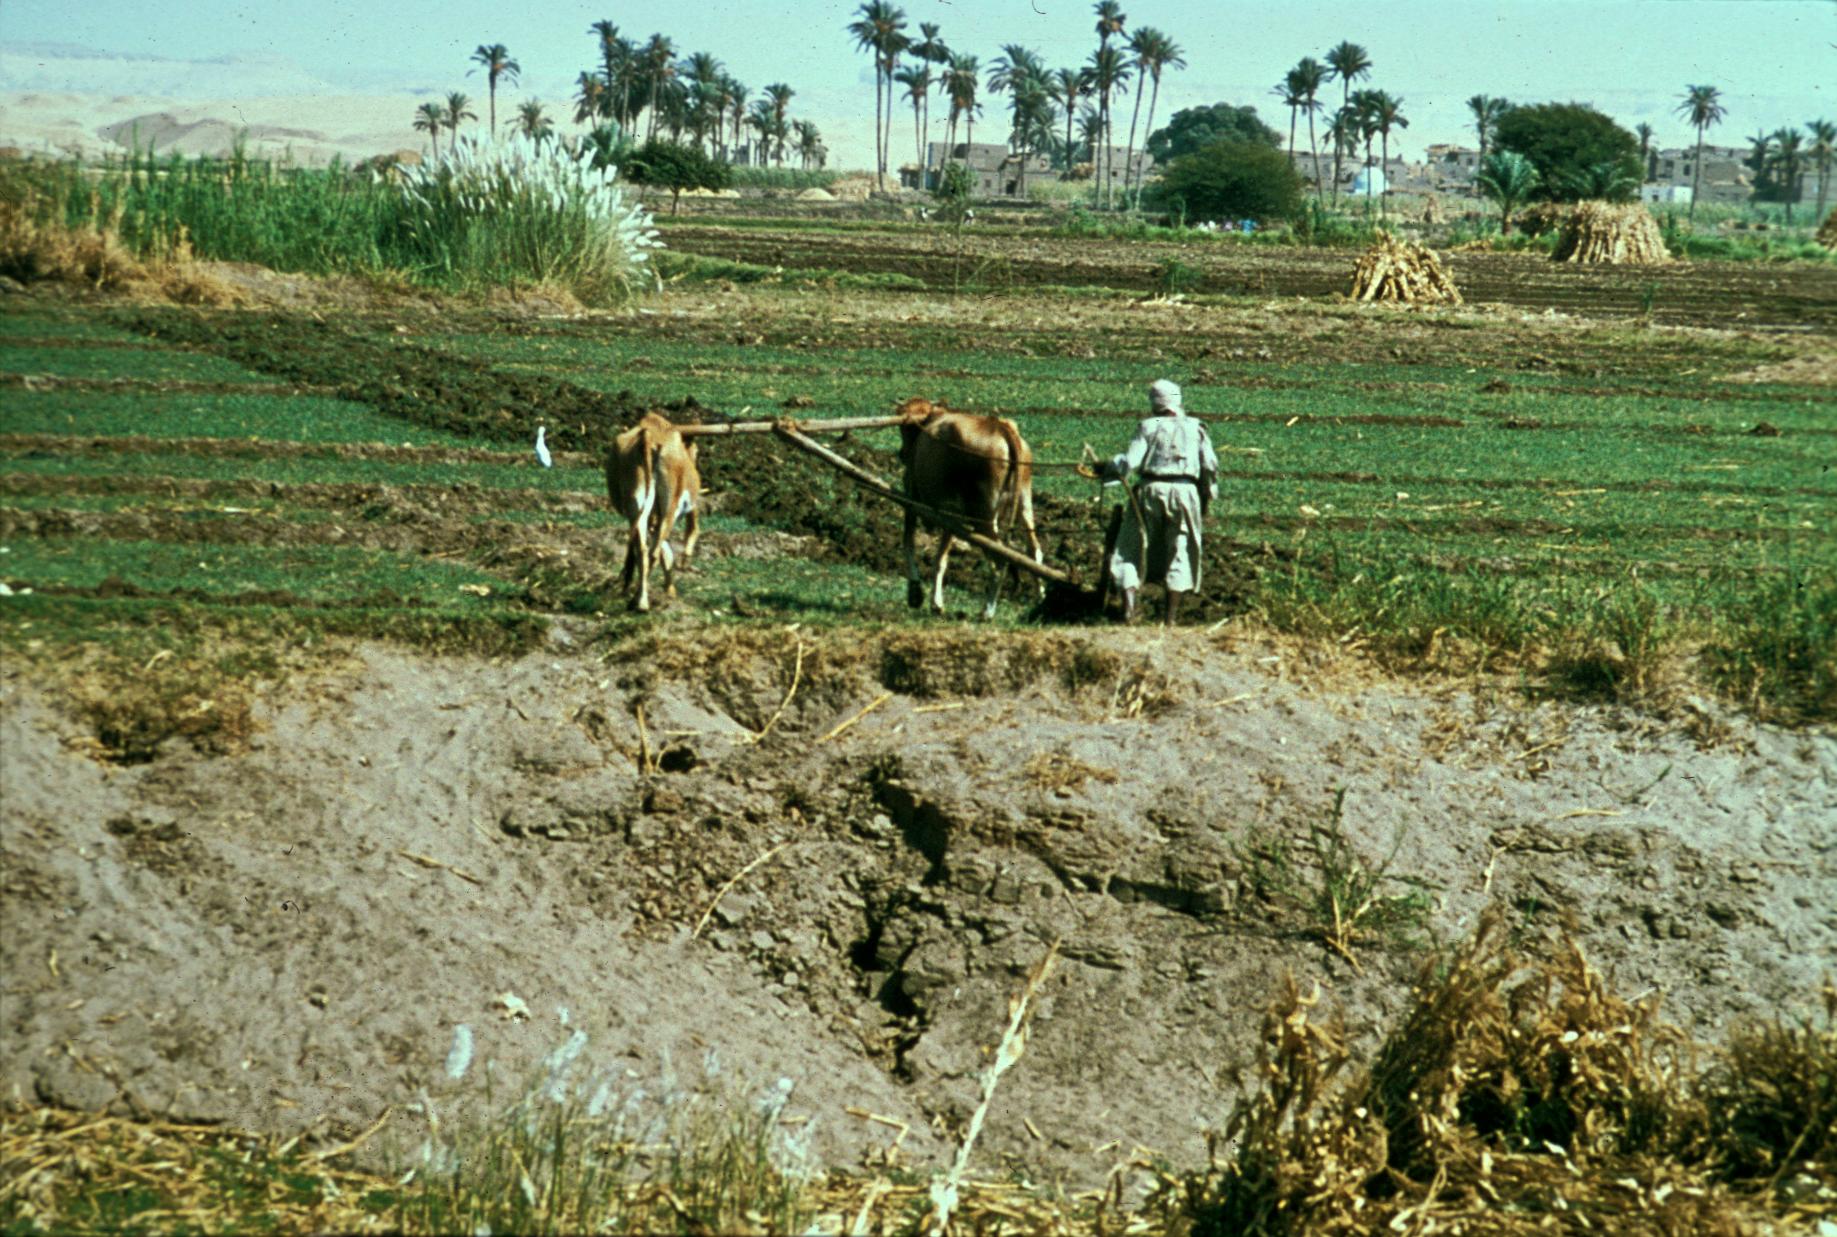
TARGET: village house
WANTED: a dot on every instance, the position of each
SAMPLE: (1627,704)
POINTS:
(996,171)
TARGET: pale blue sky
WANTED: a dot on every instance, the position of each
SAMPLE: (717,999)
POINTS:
(1772,59)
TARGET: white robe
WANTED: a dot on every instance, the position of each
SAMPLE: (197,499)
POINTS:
(1161,540)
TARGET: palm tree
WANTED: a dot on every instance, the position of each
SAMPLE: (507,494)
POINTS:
(1310,75)
(1647,161)
(1065,86)
(1108,71)
(1348,62)
(931,50)
(736,107)
(1364,107)
(964,79)
(878,31)
(760,121)
(458,110)
(659,60)
(602,143)
(1789,158)
(1823,139)
(1090,132)
(779,96)
(703,74)
(1145,45)
(1343,132)
(532,124)
(1161,53)
(1019,73)
(1289,91)
(495,60)
(1386,114)
(1486,113)
(609,59)
(1702,107)
(916,78)
(430,118)
(1508,178)
(590,97)
(809,144)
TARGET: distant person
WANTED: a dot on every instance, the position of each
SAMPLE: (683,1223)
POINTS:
(1160,541)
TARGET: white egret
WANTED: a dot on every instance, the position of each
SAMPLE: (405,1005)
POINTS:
(542,449)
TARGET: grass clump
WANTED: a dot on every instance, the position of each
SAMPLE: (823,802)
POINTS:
(1519,1094)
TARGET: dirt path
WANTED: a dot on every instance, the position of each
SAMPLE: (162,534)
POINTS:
(292,937)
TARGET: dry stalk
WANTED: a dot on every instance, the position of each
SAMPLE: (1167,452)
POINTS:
(946,1190)
(1402,272)
(733,880)
(879,700)
(1604,232)
(797,676)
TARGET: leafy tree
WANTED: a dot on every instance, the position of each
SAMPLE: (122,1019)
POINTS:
(1508,179)
(1702,107)
(495,60)
(430,118)
(1232,180)
(676,166)
(1195,127)
(1563,141)
(1823,139)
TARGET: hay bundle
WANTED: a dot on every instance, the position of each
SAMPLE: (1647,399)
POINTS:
(1613,234)
(1402,271)
(1827,231)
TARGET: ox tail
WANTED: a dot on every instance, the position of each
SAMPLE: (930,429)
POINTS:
(1008,502)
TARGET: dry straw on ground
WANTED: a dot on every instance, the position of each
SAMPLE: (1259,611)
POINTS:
(1403,272)
(1521,1095)
(1614,234)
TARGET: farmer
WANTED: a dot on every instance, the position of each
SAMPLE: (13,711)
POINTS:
(1177,474)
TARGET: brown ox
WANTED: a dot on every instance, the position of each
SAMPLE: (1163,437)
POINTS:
(652,480)
(976,468)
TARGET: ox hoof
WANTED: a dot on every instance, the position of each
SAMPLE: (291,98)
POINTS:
(915,594)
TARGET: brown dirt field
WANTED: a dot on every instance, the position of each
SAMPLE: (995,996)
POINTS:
(1797,297)
(288,938)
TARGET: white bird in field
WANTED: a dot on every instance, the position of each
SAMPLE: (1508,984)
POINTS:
(542,449)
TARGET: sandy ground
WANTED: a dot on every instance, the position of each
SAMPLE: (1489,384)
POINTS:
(292,937)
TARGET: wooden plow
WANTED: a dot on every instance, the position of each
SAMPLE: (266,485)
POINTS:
(798,434)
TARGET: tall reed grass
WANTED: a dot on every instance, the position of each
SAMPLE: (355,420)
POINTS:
(514,213)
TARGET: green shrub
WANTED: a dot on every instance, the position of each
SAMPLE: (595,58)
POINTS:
(1232,180)
(1578,152)
(677,167)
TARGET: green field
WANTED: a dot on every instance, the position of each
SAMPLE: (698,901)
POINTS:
(1527,494)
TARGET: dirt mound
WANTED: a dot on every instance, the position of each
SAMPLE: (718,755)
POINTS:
(1613,234)
(1404,272)
(656,849)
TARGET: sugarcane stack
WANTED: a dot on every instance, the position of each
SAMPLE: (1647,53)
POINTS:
(1402,272)
(1827,231)
(1611,233)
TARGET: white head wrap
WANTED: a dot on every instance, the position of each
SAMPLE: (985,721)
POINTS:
(1164,396)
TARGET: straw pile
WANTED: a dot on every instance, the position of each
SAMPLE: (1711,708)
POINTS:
(1404,272)
(1609,233)
(1522,1095)
(1827,231)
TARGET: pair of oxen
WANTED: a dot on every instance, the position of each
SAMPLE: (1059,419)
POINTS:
(974,470)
